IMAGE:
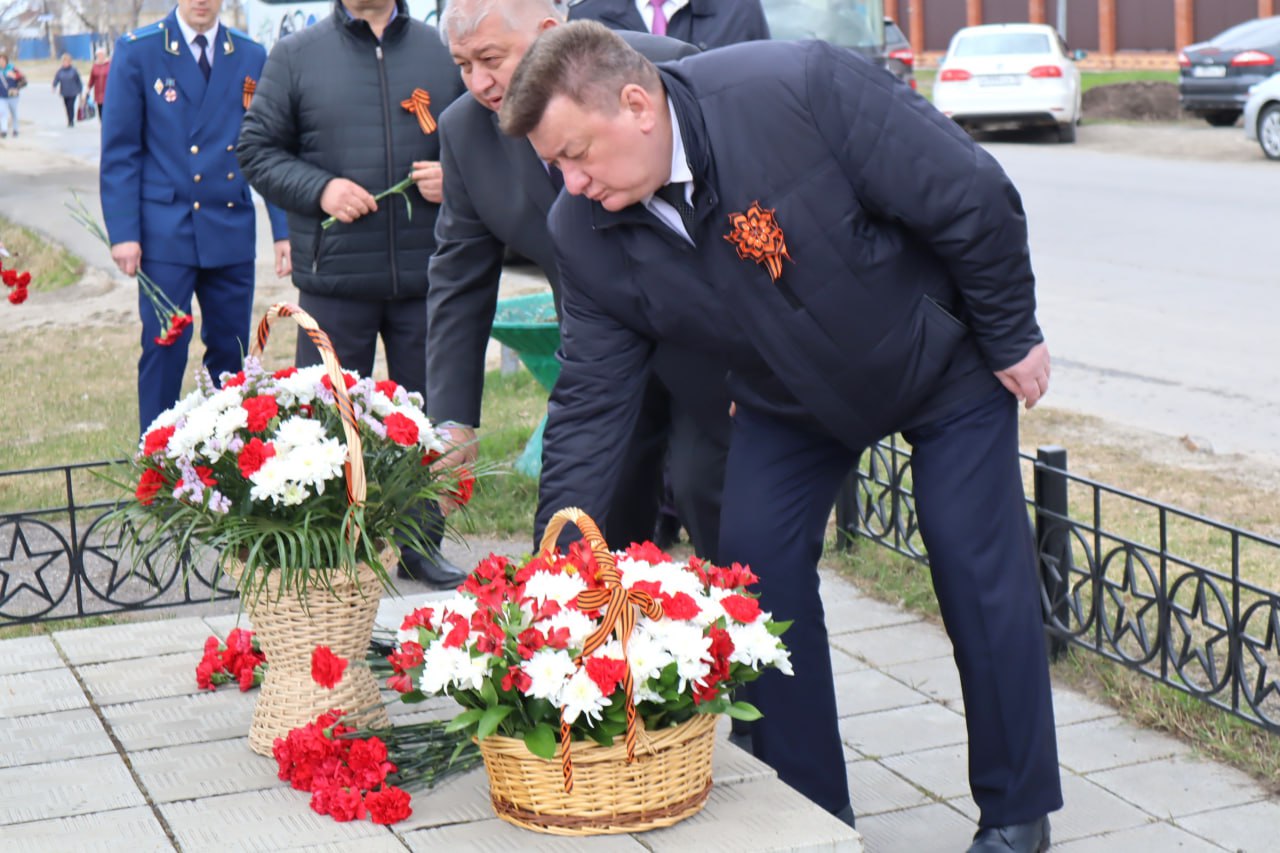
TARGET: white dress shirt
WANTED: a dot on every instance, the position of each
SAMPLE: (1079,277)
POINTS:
(680,173)
(189,34)
(669,8)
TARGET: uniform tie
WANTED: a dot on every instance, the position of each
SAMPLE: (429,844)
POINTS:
(205,68)
(674,195)
(659,27)
(557,177)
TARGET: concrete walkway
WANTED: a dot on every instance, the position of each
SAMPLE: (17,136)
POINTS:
(106,744)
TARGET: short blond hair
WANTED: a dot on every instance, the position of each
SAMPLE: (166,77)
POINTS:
(583,60)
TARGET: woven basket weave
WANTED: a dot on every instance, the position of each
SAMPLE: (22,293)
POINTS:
(339,609)
(599,790)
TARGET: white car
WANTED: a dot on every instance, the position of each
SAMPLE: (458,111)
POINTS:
(1010,75)
(1262,116)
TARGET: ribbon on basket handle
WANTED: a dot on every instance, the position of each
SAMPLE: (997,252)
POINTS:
(354,465)
(619,615)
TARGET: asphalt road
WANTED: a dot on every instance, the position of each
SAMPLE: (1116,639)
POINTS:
(1157,272)
(1158,288)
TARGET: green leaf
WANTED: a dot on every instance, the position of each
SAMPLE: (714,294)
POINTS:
(600,736)
(541,740)
(413,697)
(488,693)
(463,720)
(490,720)
(777,629)
(744,711)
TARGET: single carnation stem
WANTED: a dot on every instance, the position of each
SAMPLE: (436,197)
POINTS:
(398,189)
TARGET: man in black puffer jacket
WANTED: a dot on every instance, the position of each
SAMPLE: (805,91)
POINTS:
(345,109)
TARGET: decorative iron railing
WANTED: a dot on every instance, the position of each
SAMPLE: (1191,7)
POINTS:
(1163,591)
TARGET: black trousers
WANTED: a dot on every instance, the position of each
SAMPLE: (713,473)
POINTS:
(779,486)
(70,104)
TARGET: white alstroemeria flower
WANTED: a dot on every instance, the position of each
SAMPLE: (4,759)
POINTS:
(548,670)
(582,698)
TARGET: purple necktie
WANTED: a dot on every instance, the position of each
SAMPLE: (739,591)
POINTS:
(659,19)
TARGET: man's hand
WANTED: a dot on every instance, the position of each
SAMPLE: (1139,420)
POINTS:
(128,257)
(346,200)
(284,258)
(1028,380)
(460,442)
(429,177)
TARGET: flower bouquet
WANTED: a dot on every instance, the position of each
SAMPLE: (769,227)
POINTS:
(569,653)
(302,483)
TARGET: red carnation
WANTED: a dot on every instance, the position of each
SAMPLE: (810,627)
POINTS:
(157,440)
(254,455)
(178,322)
(606,673)
(18,295)
(261,409)
(741,608)
(347,380)
(388,804)
(284,373)
(326,667)
(466,487)
(149,485)
(679,606)
(233,381)
(10,277)
(387,387)
(24,279)
(341,804)
(401,429)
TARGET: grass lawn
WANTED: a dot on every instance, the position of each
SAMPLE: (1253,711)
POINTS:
(1088,79)
(51,266)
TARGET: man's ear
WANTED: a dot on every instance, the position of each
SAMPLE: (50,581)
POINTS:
(638,102)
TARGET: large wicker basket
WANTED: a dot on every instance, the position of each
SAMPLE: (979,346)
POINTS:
(339,608)
(654,779)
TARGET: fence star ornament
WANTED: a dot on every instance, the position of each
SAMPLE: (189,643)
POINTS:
(758,237)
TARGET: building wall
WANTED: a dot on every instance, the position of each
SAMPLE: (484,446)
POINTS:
(941,20)
(1082,22)
(1004,11)
(1213,16)
(1148,24)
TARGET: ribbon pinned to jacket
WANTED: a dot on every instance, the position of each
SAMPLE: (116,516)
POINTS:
(419,104)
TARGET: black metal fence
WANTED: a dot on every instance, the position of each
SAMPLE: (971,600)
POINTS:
(1161,590)
(64,561)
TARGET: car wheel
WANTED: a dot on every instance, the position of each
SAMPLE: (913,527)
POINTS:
(1067,132)
(1222,118)
(1269,131)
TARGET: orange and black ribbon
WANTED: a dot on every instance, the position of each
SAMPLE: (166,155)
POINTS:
(419,104)
(250,86)
(758,237)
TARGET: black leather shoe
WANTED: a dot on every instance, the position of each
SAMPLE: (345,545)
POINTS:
(846,815)
(439,572)
(1030,837)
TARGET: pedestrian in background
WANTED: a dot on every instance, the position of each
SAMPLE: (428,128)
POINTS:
(98,79)
(67,83)
(11,83)
(705,23)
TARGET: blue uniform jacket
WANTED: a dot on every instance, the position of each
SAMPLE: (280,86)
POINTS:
(169,177)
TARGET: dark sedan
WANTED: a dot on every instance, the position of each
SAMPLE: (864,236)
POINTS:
(1217,74)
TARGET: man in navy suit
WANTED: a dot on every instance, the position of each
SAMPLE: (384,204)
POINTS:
(175,202)
(704,23)
(864,267)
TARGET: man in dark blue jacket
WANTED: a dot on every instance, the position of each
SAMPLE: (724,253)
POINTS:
(864,267)
(704,23)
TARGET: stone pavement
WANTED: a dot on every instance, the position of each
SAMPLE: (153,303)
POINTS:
(106,744)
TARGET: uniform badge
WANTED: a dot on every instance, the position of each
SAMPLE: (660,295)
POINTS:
(159,87)
(171,95)
(418,103)
(250,86)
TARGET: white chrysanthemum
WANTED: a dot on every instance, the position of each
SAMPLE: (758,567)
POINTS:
(315,464)
(471,672)
(548,670)
(463,605)
(198,429)
(685,642)
(229,421)
(301,387)
(441,666)
(580,627)
(298,432)
(648,657)
(294,494)
(582,698)
(754,646)
(223,399)
(709,609)
(549,586)
(175,413)
(269,481)
(673,577)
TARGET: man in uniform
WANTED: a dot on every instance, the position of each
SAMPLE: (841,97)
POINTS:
(176,205)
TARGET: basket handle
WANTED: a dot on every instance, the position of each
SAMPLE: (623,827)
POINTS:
(619,605)
(354,466)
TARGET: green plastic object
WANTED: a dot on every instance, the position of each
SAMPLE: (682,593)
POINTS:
(527,324)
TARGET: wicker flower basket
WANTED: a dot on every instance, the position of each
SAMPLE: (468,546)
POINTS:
(339,609)
(652,780)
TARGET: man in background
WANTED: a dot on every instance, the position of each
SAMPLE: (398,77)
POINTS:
(346,109)
(175,202)
(703,23)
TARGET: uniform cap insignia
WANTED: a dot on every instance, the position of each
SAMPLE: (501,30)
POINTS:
(418,104)
(758,237)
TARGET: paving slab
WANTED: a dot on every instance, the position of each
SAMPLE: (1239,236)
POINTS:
(935,828)
(764,815)
(131,830)
(139,679)
(1250,828)
(943,772)
(223,625)
(1090,809)
(733,766)
(132,640)
(1071,707)
(496,836)
(857,612)
(873,789)
(28,654)
(274,819)
(181,719)
(842,662)
(58,736)
(871,690)
(40,692)
(1180,786)
(903,730)
(1112,742)
(65,788)
(393,609)
(203,770)
(936,678)
(459,799)
(896,644)
(1161,837)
